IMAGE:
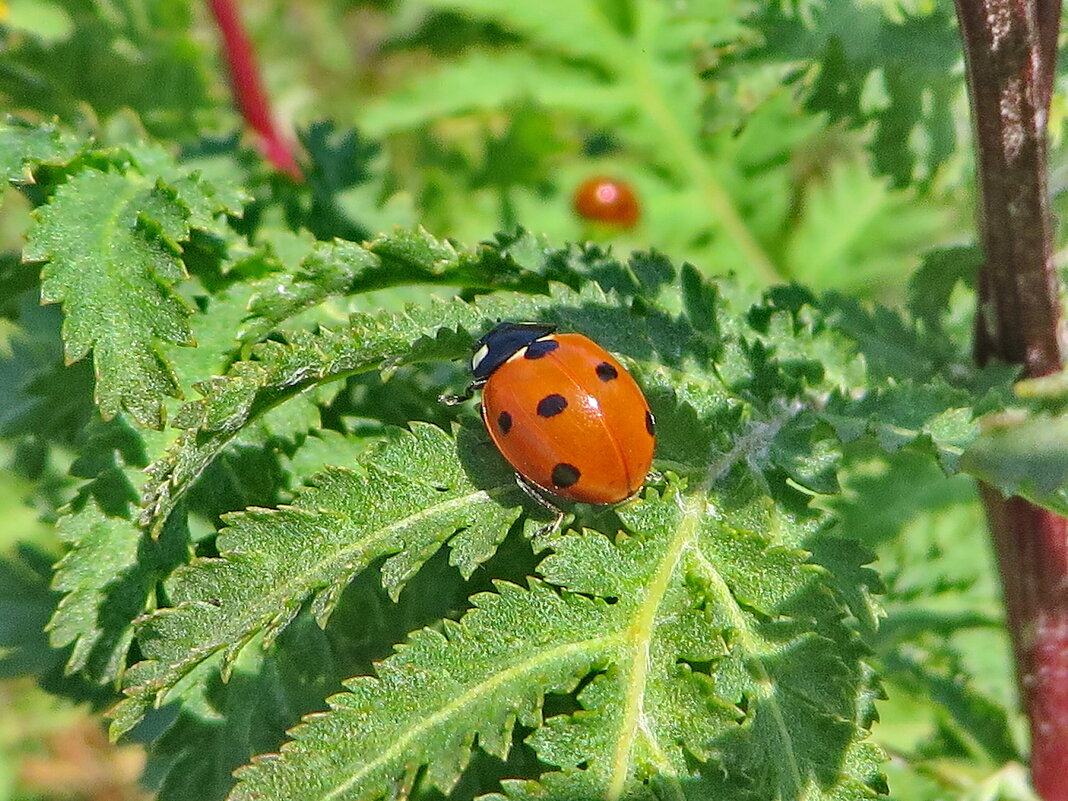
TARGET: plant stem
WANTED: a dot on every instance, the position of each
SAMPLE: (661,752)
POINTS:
(248,90)
(1010,48)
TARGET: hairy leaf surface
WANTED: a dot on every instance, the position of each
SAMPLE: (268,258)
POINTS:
(690,638)
(111,243)
(23,147)
(410,498)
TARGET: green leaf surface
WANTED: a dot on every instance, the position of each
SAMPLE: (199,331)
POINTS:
(891,67)
(408,499)
(23,147)
(935,416)
(203,198)
(336,268)
(224,724)
(320,539)
(111,568)
(103,549)
(111,246)
(484,81)
(36,394)
(675,647)
(854,229)
(1026,456)
(428,703)
(980,722)
(933,284)
(25,605)
(116,56)
(626,68)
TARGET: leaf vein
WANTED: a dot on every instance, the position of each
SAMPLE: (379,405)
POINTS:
(595,645)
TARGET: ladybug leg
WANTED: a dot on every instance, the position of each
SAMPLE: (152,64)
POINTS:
(551,530)
(537,495)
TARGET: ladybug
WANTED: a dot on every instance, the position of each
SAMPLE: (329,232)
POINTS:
(607,200)
(564,413)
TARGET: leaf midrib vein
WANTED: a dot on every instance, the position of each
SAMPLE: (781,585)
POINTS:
(640,636)
(299,580)
(295,583)
(594,644)
(106,274)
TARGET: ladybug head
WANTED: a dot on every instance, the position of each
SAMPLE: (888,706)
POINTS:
(500,344)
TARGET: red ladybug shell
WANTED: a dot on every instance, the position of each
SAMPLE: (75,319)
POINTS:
(607,200)
(566,415)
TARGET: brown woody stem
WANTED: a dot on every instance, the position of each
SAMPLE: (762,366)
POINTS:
(1011,48)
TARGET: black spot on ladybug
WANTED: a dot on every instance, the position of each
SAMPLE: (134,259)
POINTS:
(538,348)
(504,422)
(565,475)
(551,405)
(650,423)
(607,372)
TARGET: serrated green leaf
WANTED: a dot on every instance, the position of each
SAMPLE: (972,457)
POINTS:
(931,286)
(215,331)
(100,567)
(110,245)
(693,664)
(203,199)
(483,81)
(691,651)
(284,371)
(407,500)
(892,345)
(933,415)
(978,720)
(847,564)
(325,448)
(111,567)
(428,703)
(118,56)
(632,73)
(330,269)
(943,635)
(397,259)
(223,725)
(23,147)
(907,53)
(1026,456)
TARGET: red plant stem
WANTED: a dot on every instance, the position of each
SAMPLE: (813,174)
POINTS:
(248,88)
(1010,47)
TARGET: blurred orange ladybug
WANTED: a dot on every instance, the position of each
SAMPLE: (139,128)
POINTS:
(564,413)
(607,200)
